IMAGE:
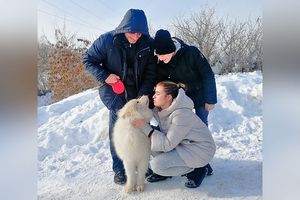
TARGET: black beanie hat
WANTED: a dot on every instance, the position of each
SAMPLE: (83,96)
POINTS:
(163,43)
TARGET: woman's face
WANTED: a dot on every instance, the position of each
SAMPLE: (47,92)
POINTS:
(166,57)
(161,99)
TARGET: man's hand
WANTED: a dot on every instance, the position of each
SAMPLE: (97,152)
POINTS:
(138,123)
(209,107)
(112,78)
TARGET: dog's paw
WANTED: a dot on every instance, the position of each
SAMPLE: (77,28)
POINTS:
(140,188)
(129,189)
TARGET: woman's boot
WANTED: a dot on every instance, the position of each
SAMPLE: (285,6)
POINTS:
(195,177)
(155,178)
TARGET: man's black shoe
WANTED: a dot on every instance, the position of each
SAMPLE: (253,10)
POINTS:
(209,170)
(120,178)
(155,178)
(195,177)
(149,172)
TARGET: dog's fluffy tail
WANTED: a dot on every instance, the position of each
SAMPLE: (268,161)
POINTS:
(103,132)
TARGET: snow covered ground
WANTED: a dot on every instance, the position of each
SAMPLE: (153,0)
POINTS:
(71,165)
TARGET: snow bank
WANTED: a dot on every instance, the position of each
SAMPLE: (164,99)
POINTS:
(74,159)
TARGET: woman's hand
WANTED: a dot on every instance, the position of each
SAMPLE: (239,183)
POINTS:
(138,123)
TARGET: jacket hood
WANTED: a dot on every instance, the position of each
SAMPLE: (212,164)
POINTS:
(134,21)
(180,46)
(177,44)
(182,101)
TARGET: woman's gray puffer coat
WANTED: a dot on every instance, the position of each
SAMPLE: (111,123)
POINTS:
(181,129)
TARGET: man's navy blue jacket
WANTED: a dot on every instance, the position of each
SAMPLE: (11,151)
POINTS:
(108,55)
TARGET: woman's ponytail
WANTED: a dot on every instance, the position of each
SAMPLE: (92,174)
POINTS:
(172,88)
(181,85)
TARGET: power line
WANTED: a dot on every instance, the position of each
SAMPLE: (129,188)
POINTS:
(75,17)
(110,8)
(45,12)
(87,10)
(63,10)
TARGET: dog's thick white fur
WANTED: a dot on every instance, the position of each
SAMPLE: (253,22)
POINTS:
(131,144)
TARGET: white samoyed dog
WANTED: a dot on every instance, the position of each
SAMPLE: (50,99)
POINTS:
(131,144)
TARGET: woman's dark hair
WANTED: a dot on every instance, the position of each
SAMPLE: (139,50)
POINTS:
(171,87)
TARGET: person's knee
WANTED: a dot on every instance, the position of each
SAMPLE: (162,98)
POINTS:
(158,167)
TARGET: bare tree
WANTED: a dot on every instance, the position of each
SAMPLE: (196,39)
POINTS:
(233,46)
(241,47)
(202,30)
(152,30)
(67,74)
(63,39)
(255,54)
(43,67)
(62,60)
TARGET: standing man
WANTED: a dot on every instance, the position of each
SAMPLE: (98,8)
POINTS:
(124,54)
(181,63)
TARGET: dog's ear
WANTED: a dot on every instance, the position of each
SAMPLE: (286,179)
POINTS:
(127,110)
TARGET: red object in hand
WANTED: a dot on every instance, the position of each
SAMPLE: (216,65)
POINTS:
(118,87)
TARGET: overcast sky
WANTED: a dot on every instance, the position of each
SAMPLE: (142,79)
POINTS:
(90,18)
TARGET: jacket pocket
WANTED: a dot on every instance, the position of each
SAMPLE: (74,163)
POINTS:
(144,52)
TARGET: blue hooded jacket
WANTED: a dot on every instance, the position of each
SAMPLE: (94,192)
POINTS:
(134,21)
(107,55)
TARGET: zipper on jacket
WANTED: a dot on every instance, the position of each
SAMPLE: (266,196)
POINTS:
(124,71)
(136,68)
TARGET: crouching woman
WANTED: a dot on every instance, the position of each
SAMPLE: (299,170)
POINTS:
(184,144)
